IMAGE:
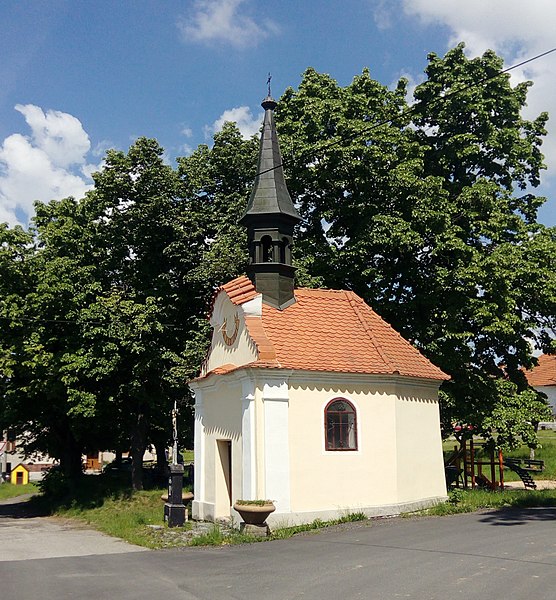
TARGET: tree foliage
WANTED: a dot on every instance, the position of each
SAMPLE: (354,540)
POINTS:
(104,303)
(427,213)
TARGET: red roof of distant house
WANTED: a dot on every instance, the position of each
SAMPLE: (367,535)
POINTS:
(544,373)
(328,330)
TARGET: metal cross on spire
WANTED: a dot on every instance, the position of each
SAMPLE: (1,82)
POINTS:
(268,83)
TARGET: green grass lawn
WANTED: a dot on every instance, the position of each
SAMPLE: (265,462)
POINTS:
(8,490)
(128,516)
(546,452)
(463,501)
(123,516)
(188,456)
(106,503)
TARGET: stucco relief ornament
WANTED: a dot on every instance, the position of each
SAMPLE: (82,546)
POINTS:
(230,339)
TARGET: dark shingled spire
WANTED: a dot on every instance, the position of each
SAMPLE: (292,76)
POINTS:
(270,194)
(270,218)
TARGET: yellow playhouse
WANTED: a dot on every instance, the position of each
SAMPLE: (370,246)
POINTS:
(20,475)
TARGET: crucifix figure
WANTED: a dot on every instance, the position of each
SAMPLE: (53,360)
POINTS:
(175,433)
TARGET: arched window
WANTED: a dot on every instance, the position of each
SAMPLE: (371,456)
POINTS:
(268,249)
(340,425)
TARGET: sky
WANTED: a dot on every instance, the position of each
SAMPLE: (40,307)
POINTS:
(79,77)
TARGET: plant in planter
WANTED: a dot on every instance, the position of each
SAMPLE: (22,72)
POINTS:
(254,512)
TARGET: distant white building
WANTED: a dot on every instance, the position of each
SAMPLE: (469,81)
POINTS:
(543,379)
(11,455)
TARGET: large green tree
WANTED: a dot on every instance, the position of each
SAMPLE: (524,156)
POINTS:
(215,185)
(146,303)
(427,212)
(94,333)
(103,311)
(15,249)
(41,336)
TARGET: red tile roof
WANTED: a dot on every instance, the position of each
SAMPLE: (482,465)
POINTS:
(544,373)
(240,290)
(329,330)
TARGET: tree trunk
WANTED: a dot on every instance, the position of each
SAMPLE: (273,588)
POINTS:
(138,445)
(70,459)
(161,458)
(532,448)
(118,458)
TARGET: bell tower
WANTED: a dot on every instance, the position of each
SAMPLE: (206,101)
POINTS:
(270,219)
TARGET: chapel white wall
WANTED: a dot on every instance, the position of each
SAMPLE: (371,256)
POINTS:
(418,444)
(399,454)
(322,479)
(276,425)
(242,351)
(218,418)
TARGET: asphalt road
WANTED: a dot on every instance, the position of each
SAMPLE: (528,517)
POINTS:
(495,555)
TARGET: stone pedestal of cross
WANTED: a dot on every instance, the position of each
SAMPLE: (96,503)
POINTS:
(174,509)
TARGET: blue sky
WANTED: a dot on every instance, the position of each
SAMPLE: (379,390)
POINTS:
(78,77)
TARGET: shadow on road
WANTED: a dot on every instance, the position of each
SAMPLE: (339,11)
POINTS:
(20,508)
(519,516)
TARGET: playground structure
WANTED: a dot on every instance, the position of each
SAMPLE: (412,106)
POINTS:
(474,465)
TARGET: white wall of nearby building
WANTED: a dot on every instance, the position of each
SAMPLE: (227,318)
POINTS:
(419,442)
(550,391)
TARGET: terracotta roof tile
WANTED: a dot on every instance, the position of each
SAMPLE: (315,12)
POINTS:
(544,373)
(223,369)
(329,330)
(264,345)
(239,290)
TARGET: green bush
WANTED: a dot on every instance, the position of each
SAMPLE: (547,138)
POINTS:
(455,496)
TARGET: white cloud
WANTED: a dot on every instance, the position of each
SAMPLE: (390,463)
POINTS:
(186,150)
(241,115)
(48,164)
(59,135)
(221,21)
(496,24)
(102,147)
(516,30)
(382,14)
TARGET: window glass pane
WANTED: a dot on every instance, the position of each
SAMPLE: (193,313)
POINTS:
(340,406)
(351,431)
(340,426)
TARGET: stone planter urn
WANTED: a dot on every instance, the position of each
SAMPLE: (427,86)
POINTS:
(254,514)
(185,496)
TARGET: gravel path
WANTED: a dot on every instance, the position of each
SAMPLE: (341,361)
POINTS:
(30,536)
